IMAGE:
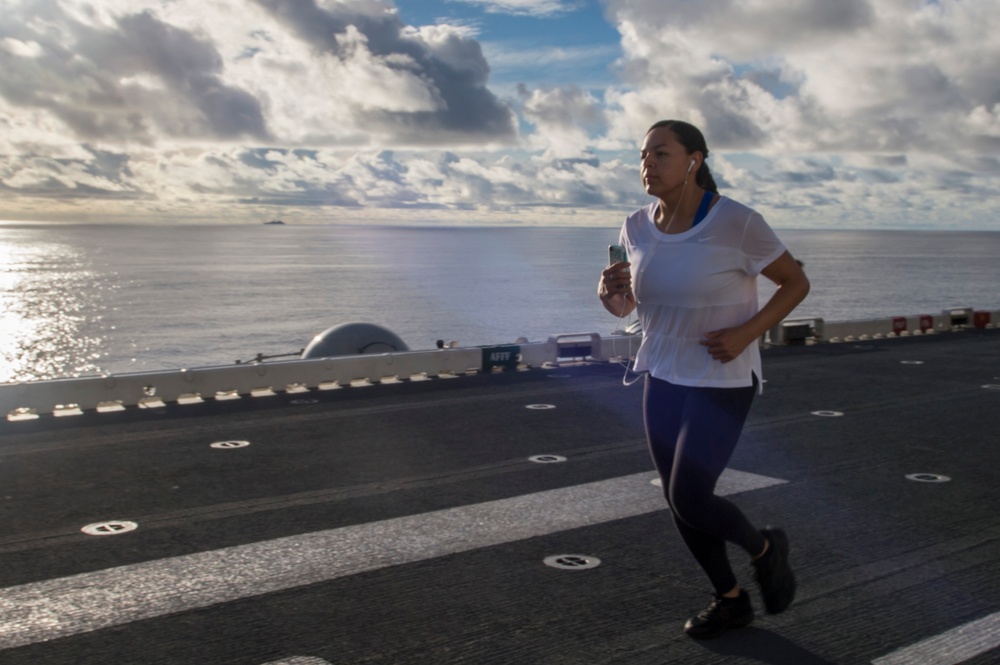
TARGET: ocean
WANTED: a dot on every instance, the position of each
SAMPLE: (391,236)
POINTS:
(81,300)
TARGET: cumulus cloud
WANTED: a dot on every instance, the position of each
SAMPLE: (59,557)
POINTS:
(811,75)
(401,84)
(414,180)
(184,94)
(133,80)
(566,120)
(857,112)
(272,72)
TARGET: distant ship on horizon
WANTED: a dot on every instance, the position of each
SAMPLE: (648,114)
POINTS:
(274,221)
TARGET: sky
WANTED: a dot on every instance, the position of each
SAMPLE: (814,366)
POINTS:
(819,114)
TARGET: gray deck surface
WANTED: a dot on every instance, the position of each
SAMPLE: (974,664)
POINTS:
(406,523)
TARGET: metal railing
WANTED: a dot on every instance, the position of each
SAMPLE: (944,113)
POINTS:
(115,392)
(64,397)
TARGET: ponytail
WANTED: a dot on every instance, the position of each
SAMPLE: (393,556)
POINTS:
(703,178)
(693,140)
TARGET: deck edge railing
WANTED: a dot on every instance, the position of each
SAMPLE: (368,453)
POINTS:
(115,392)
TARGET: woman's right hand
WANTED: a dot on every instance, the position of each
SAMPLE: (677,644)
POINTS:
(615,289)
(616,280)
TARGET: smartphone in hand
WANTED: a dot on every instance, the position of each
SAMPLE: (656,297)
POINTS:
(616,254)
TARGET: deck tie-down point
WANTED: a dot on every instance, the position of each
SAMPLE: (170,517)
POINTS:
(227,445)
(109,528)
(927,477)
(572,561)
(546,459)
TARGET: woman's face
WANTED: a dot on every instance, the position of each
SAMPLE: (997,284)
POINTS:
(664,162)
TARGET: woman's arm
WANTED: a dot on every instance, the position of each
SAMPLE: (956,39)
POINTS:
(793,286)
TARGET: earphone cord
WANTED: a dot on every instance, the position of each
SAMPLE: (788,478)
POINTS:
(624,363)
(625,380)
(614,343)
(674,213)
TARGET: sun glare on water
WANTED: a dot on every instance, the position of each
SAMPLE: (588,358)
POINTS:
(44,306)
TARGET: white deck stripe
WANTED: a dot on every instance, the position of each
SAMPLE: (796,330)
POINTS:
(82,603)
(955,646)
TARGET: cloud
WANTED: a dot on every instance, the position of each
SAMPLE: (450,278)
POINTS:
(565,120)
(272,72)
(413,180)
(522,63)
(407,85)
(810,75)
(541,8)
(853,113)
(130,81)
(187,97)
(98,174)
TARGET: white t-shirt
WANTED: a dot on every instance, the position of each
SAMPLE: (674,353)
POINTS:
(691,283)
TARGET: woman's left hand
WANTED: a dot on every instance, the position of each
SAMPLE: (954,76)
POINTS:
(793,285)
(726,344)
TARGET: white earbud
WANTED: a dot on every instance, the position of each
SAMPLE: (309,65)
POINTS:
(690,166)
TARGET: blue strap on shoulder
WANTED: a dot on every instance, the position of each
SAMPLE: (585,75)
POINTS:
(706,201)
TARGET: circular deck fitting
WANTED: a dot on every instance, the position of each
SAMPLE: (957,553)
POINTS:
(927,478)
(828,414)
(226,445)
(109,528)
(991,386)
(911,362)
(547,459)
(540,407)
(304,401)
(572,561)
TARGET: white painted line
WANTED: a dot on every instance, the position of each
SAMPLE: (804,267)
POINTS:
(82,603)
(955,646)
(299,660)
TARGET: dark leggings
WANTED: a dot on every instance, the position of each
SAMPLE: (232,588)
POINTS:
(692,433)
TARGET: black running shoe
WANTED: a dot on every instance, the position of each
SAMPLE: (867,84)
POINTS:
(773,574)
(721,615)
